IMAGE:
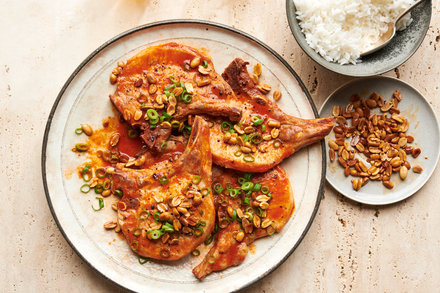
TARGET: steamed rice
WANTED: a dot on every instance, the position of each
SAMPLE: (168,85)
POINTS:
(340,29)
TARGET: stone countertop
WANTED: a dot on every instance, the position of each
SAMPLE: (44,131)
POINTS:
(349,248)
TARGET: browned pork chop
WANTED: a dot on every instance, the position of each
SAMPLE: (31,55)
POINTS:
(171,78)
(265,134)
(167,210)
(244,216)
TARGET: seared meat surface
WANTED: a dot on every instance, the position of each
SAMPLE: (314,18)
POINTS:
(167,209)
(265,134)
(171,78)
(242,221)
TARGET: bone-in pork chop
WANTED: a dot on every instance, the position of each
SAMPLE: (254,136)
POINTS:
(265,134)
(171,78)
(168,209)
(247,209)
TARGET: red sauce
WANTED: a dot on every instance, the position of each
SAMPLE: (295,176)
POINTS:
(127,145)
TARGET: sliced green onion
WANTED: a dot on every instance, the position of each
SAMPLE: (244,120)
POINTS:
(234,192)
(263,127)
(210,258)
(260,212)
(167,93)
(165,253)
(270,231)
(155,234)
(224,223)
(163,145)
(265,189)
(257,120)
(156,216)
(205,63)
(209,239)
(133,133)
(142,260)
(205,191)
(167,228)
(224,202)
(134,245)
(107,184)
(277,143)
(163,179)
(249,216)
(81,147)
(226,126)
(86,176)
(86,169)
(256,138)
(85,188)
(171,86)
(198,231)
(154,121)
(187,98)
(269,194)
(187,129)
(144,215)
(100,172)
(153,126)
(99,188)
(201,212)
(234,216)
(100,204)
(196,179)
(257,187)
(238,153)
(195,252)
(119,192)
(241,180)
(246,200)
(137,232)
(249,210)
(201,223)
(228,186)
(152,114)
(175,124)
(247,186)
(245,137)
(78,131)
(218,188)
(173,79)
(247,176)
(248,158)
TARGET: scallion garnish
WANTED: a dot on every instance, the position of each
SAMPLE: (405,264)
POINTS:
(234,215)
(187,98)
(137,232)
(260,212)
(249,216)
(144,215)
(86,169)
(209,239)
(248,158)
(195,252)
(163,145)
(196,179)
(171,86)
(119,192)
(263,128)
(107,184)
(238,153)
(173,79)
(265,189)
(226,126)
(205,63)
(99,188)
(205,191)
(156,216)
(164,180)
(270,231)
(175,124)
(152,114)
(198,231)
(218,188)
(155,234)
(167,228)
(277,143)
(210,258)
(234,192)
(85,188)
(100,172)
(247,186)
(256,138)
(247,176)
(241,180)
(257,187)
(142,260)
(100,204)
(134,245)
(81,147)
(224,223)
(246,200)
(79,131)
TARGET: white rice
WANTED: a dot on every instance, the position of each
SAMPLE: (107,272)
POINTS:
(340,29)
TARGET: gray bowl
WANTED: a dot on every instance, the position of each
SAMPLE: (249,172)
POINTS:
(400,49)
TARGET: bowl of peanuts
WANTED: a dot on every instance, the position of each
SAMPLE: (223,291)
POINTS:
(384,146)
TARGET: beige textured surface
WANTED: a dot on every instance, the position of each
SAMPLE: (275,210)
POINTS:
(349,248)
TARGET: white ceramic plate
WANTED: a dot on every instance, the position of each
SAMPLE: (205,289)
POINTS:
(423,127)
(84,98)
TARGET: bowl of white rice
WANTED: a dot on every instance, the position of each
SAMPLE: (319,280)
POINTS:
(334,32)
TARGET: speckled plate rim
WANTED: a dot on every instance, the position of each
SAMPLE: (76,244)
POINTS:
(436,159)
(145,27)
(294,27)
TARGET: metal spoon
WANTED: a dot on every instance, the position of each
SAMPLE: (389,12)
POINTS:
(389,34)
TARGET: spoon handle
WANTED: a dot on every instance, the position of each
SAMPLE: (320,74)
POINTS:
(411,7)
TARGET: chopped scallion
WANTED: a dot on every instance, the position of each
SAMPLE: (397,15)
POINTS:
(100,204)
